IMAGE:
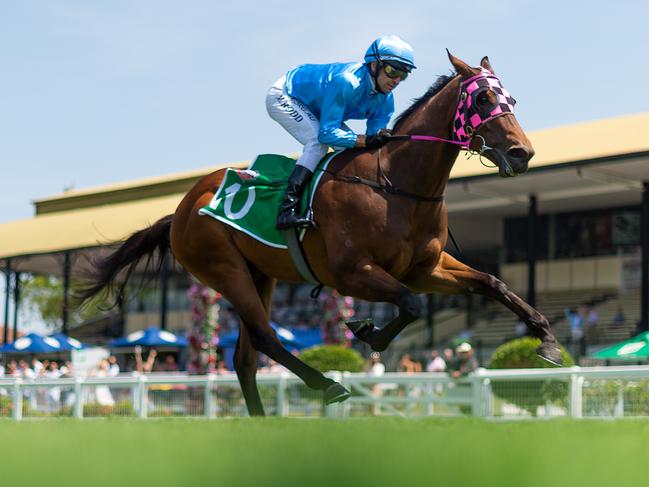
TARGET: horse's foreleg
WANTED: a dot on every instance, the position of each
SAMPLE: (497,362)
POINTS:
(453,277)
(370,282)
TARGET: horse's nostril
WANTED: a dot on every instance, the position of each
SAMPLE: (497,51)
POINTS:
(518,153)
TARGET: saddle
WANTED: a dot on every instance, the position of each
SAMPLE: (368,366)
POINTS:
(249,199)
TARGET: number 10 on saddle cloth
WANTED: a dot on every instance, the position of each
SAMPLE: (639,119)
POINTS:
(249,199)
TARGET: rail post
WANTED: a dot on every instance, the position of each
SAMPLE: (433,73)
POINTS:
(575,389)
(142,396)
(207,398)
(282,409)
(478,384)
(78,399)
(331,410)
(17,413)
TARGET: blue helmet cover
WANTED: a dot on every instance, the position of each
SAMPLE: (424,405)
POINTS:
(391,48)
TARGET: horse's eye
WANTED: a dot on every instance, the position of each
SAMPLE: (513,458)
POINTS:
(483,98)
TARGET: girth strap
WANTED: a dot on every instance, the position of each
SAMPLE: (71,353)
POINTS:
(296,251)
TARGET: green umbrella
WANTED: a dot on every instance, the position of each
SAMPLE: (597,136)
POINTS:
(634,348)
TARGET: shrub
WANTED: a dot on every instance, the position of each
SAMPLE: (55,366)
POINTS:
(6,405)
(333,357)
(529,395)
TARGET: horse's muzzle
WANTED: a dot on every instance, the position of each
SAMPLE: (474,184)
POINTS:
(513,162)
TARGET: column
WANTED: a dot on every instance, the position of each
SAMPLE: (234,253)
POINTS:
(164,287)
(66,290)
(5,334)
(644,296)
(532,218)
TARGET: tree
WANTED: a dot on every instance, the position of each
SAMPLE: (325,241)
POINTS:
(43,296)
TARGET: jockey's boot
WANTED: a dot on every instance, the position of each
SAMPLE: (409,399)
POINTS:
(288,211)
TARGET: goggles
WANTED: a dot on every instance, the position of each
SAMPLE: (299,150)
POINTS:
(393,72)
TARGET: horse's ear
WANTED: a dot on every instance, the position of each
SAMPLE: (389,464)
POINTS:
(487,65)
(461,67)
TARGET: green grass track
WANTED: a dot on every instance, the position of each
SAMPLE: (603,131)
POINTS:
(320,452)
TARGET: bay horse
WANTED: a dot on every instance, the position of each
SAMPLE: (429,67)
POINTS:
(373,242)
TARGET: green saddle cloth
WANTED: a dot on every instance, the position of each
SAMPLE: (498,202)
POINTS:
(249,199)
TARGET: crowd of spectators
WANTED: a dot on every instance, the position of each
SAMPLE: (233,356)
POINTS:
(36,369)
(458,363)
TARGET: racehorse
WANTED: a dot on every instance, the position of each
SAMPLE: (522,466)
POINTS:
(382,240)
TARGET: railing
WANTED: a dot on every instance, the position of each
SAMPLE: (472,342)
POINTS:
(507,394)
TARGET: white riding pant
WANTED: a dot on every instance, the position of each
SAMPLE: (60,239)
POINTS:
(298,121)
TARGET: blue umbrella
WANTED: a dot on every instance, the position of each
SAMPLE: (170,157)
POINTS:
(285,335)
(68,343)
(34,343)
(150,337)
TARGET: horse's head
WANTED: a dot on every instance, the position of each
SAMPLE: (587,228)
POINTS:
(485,118)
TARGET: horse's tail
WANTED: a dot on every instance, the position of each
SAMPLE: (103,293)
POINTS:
(143,243)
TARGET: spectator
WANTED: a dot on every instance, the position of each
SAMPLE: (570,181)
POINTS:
(576,323)
(53,371)
(437,363)
(376,368)
(44,368)
(54,393)
(25,371)
(102,393)
(520,329)
(221,368)
(409,366)
(465,363)
(113,366)
(67,369)
(12,369)
(592,328)
(619,319)
(37,366)
(144,367)
(448,357)
(169,364)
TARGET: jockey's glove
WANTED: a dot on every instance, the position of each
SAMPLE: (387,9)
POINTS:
(379,139)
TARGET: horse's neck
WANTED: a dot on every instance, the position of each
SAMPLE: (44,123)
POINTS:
(424,167)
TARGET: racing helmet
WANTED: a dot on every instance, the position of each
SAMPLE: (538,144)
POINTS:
(393,50)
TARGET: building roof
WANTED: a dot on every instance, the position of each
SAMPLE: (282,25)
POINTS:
(599,139)
(93,217)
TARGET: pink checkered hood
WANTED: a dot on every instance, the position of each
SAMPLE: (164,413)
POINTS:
(467,116)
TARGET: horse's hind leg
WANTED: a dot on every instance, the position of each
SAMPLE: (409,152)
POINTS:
(246,360)
(228,273)
(453,277)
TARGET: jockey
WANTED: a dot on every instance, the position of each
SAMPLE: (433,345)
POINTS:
(312,102)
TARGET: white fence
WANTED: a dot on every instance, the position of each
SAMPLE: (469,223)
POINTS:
(507,394)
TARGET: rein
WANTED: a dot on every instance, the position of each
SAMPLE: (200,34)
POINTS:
(386,187)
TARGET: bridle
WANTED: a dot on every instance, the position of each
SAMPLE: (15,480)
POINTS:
(470,116)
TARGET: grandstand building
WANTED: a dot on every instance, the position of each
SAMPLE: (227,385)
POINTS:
(571,231)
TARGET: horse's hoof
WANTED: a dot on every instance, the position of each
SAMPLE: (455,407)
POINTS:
(550,352)
(336,393)
(361,328)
